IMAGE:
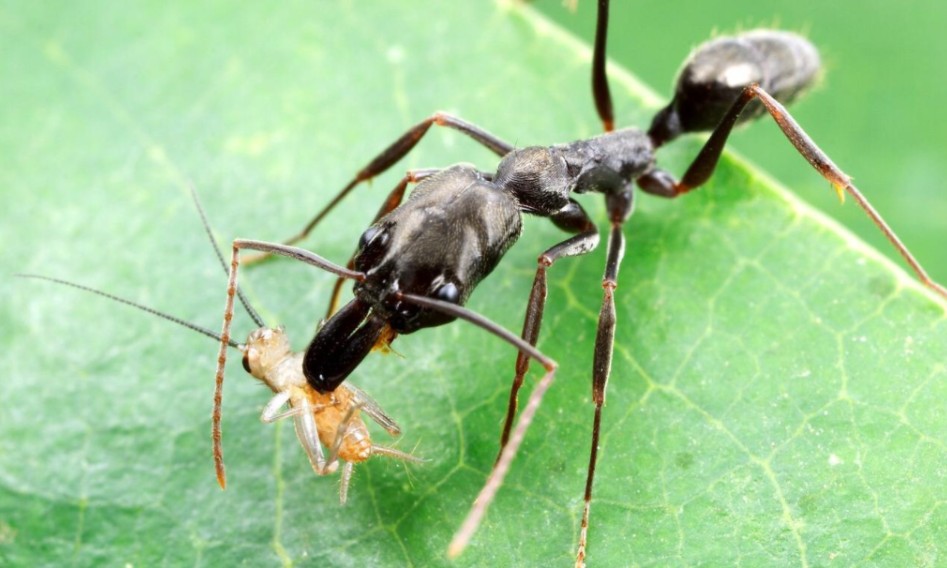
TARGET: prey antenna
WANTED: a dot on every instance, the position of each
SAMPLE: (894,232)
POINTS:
(232,290)
(502,465)
(220,256)
(219,384)
(225,342)
(160,314)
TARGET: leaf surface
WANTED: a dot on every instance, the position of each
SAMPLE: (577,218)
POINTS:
(775,393)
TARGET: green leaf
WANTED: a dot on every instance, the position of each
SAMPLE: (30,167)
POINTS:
(774,398)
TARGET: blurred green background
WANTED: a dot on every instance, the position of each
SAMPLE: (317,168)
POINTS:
(878,112)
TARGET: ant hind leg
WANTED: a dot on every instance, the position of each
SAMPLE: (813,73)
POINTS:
(392,155)
(663,184)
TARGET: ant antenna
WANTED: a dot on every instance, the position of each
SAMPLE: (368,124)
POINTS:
(179,321)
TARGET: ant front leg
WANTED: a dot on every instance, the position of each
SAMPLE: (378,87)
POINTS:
(573,219)
(661,183)
(391,155)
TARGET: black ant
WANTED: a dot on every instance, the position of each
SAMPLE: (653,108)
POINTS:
(419,261)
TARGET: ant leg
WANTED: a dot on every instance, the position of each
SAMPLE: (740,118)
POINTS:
(502,466)
(619,206)
(392,154)
(393,200)
(573,219)
(661,183)
(600,91)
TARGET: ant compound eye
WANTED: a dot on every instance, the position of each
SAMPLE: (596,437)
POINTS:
(246,363)
(408,311)
(448,293)
(371,248)
(368,236)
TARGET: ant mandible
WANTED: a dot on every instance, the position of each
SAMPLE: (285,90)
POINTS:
(419,261)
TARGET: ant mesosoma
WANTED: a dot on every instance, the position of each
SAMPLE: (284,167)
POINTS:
(421,258)
(323,421)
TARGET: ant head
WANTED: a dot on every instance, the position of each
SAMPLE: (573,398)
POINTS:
(396,256)
(423,248)
(452,231)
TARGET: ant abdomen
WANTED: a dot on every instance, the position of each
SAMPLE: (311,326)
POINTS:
(783,64)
